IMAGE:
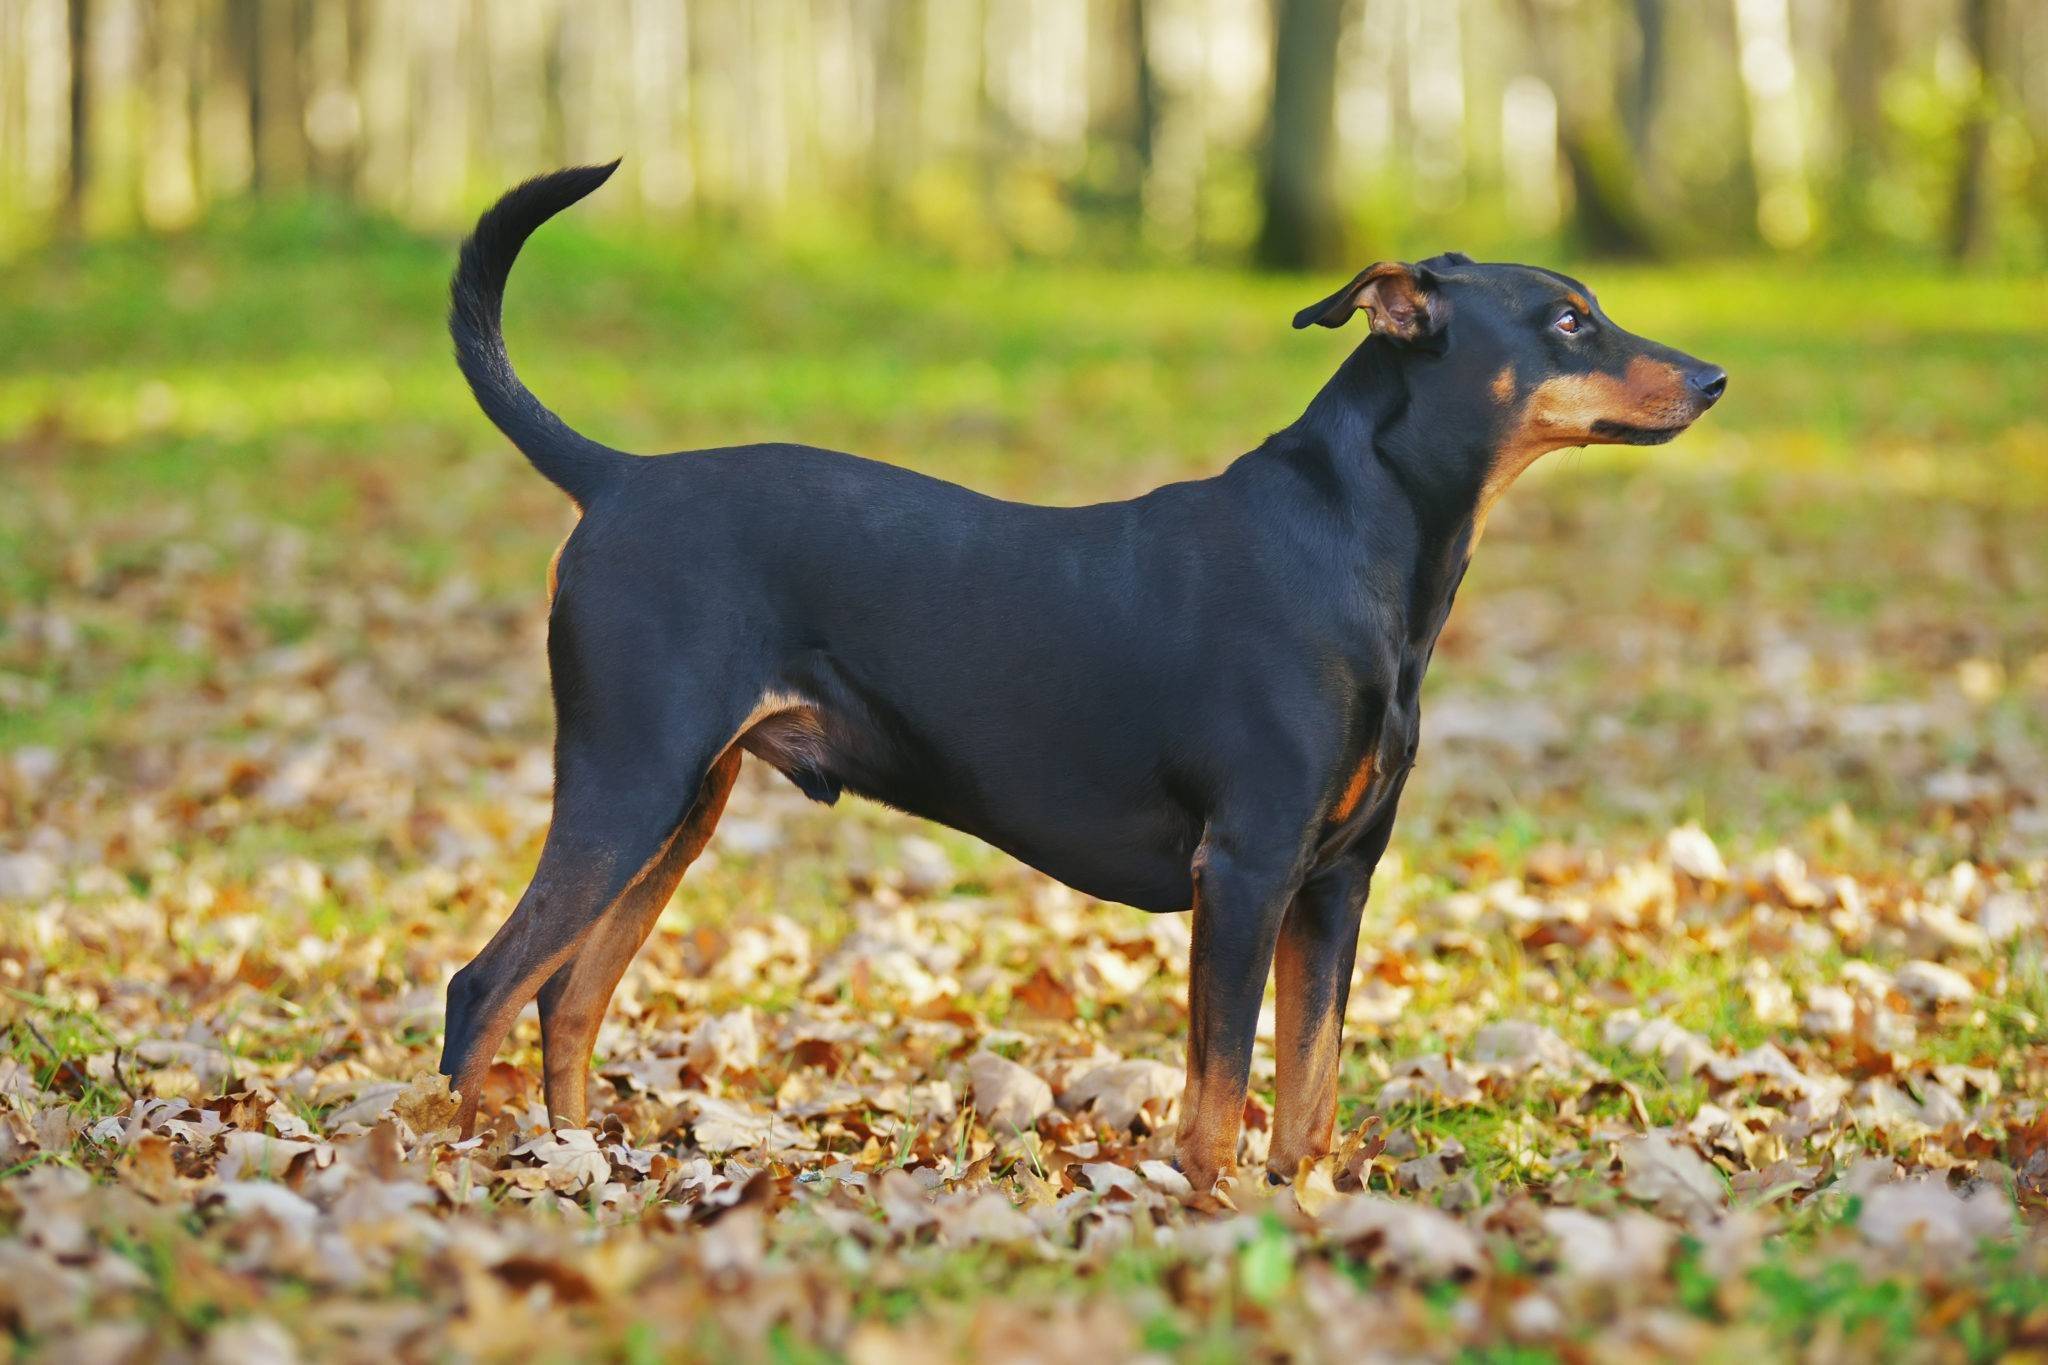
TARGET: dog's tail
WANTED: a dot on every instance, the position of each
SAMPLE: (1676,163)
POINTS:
(579,466)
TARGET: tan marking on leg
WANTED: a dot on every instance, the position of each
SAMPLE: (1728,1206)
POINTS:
(1307,1039)
(1212,1115)
(1212,1104)
(491,1037)
(781,725)
(1202,1152)
(573,1016)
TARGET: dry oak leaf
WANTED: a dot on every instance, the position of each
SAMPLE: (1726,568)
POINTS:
(1930,984)
(37,1295)
(1430,1079)
(259,1155)
(1408,1235)
(724,1126)
(985,1217)
(1118,1091)
(1315,1185)
(1425,1173)
(1165,1178)
(1624,1247)
(250,1341)
(1766,1062)
(1689,850)
(427,1105)
(1681,1050)
(1676,1179)
(1924,1211)
(1830,1012)
(725,1043)
(209,1064)
(1009,1097)
(1046,995)
(1106,1177)
(571,1158)
(149,1166)
(242,1198)
(1521,1046)
(370,1105)
(875,1343)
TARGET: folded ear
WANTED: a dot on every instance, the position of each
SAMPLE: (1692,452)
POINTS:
(1402,301)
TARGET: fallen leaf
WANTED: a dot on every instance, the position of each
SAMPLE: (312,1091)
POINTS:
(1008,1097)
(1676,1179)
(1115,1094)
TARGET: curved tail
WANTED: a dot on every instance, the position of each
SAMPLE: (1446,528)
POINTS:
(577,465)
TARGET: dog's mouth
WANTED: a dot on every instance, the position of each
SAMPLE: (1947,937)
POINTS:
(1624,433)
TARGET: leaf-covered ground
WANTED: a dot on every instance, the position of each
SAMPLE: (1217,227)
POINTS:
(1699,1013)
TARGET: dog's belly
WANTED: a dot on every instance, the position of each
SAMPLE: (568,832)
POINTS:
(1133,858)
(1134,851)
(1056,786)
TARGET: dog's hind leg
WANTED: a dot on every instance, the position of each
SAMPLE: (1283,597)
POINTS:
(574,999)
(628,773)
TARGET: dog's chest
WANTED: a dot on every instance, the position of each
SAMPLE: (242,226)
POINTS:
(1387,729)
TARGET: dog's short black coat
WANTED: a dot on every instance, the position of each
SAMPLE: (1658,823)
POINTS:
(1204,697)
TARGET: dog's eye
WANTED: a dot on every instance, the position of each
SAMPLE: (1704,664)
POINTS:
(1568,322)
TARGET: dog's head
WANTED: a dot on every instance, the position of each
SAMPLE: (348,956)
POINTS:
(1547,366)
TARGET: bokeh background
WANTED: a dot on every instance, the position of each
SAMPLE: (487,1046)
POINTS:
(1732,809)
(1282,131)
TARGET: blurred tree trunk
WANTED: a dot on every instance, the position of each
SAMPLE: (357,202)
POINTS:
(2029,56)
(78,165)
(274,32)
(1300,228)
(898,65)
(1144,88)
(1123,114)
(332,43)
(1969,220)
(170,58)
(1646,84)
(1609,217)
(1734,200)
(1859,84)
(245,37)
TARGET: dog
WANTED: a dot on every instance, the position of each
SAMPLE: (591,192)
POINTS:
(1204,698)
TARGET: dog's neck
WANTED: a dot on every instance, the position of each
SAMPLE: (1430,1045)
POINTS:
(1358,439)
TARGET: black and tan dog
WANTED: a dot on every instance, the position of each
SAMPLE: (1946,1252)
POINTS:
(1203,698)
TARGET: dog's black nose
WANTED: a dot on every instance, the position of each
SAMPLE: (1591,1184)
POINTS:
(1711,381)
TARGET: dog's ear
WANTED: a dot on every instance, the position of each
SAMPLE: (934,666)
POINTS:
(1401,301)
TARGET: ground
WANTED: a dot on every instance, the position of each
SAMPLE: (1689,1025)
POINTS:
(1699,1009)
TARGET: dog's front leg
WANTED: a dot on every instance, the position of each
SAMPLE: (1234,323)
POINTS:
(1312,981)
(1239,902)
